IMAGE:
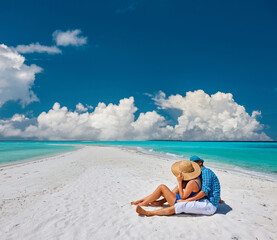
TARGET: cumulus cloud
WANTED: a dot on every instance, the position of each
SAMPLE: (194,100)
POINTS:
(106,122)
(14,127)
(16,78)
(215,117)
(69,37)
(204,117)
(19,118)
(81,108)
(37,47)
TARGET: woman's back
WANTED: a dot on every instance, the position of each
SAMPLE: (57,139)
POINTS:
(195,184)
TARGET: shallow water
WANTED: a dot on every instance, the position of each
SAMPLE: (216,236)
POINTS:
(257,156)
(20,150)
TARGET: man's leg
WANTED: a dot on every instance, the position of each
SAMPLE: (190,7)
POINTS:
(161,212)
(202,207)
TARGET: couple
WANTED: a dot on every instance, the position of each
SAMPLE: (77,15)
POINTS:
(198,191)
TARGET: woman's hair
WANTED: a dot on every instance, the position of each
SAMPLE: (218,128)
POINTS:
(184,183)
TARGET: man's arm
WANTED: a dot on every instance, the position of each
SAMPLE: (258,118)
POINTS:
(197,196)
(206,187)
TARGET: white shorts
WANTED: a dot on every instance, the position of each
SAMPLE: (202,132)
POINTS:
(203,206)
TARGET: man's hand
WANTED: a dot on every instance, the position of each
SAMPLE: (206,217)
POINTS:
(180,177)
(181,200)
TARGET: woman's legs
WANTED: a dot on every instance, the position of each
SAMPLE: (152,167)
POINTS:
(159,202)
(161,190)
(162,201)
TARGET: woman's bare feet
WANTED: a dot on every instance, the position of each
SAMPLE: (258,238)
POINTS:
(141,211)
(137,202)
(140,203)
(143,204)
(155,203)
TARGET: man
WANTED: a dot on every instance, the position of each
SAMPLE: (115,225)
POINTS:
(204,202)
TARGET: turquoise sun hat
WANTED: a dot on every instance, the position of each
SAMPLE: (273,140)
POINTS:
(195,159)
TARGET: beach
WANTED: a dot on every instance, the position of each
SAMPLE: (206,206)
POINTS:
(86,194)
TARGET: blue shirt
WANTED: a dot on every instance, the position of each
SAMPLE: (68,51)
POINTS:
(210,186)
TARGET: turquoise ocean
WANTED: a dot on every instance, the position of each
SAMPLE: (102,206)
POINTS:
(16,151)
(252,156)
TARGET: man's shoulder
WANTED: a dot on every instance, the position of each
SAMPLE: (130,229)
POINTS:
(207,171)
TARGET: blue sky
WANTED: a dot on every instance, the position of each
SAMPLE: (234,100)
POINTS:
(138,47)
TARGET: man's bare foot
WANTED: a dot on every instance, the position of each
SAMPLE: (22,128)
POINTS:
(141,211)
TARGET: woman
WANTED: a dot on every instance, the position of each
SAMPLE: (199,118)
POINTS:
(189,183)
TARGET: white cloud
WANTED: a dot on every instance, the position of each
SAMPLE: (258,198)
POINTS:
(106,122)
(148,95)
(69,37)
(18,118)
(149,126)
(36,47)
(89,106)
(81,108)
(16,78)
(215,117)
(204,117)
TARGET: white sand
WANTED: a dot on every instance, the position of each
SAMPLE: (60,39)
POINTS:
(86,194)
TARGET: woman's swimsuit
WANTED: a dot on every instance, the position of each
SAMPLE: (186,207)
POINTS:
(192,193)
